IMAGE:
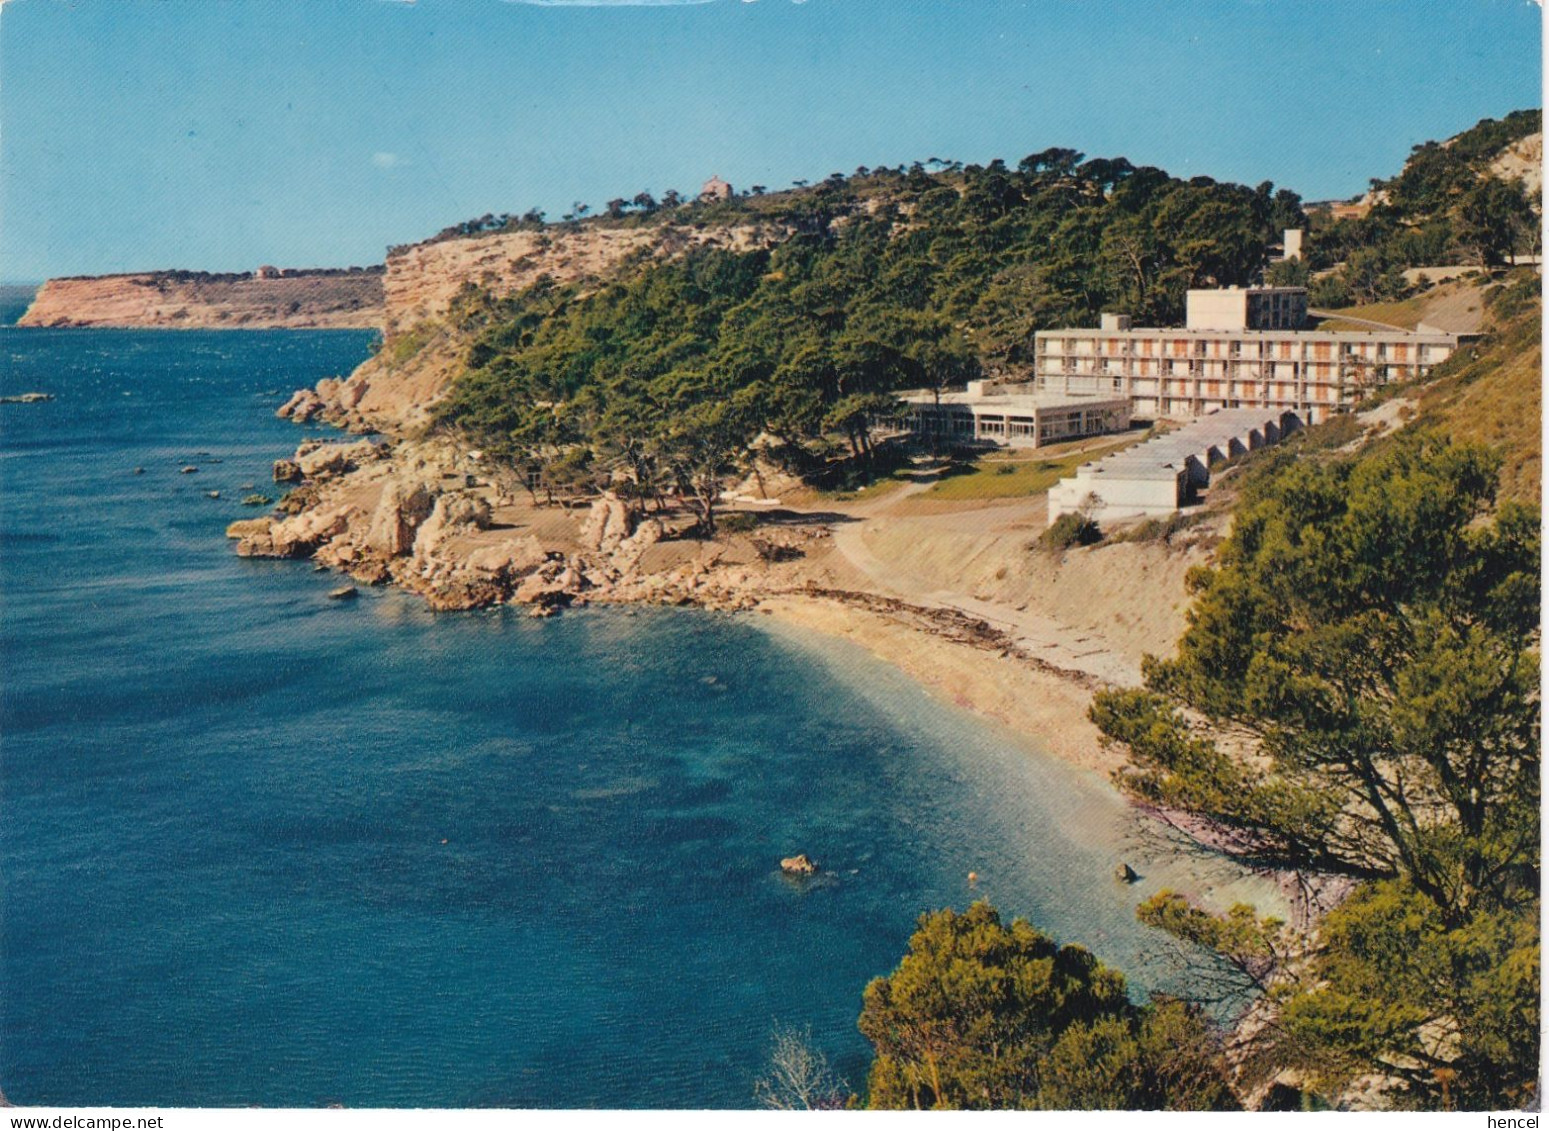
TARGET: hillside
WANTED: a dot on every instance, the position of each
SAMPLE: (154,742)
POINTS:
(1492,393)
(300,300)
(1472,200)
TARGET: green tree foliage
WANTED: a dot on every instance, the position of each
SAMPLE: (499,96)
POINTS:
(1495,219)
(1368,642)
(981,1015)
(1374,625)
(1449,1011)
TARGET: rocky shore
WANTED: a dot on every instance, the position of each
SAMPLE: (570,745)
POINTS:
(431,519)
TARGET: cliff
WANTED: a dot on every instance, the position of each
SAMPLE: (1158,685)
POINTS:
(325,300)
(396,391)
(422,279)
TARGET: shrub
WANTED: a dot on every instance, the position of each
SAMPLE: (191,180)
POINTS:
(1074,529)
(1159,529)
(737,522)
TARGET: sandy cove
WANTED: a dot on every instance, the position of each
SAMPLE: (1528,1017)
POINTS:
(951,593)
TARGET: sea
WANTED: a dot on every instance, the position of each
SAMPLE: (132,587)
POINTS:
(258,847)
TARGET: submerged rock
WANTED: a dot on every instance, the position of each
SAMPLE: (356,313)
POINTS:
(344,593)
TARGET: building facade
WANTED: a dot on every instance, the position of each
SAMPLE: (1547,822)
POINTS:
(1248,308)
(1241,349)
(1165,472)
(1013,416)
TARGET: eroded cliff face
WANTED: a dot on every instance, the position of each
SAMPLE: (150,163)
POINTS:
(165,300)
(422,279)
(396,390)
(1522,160)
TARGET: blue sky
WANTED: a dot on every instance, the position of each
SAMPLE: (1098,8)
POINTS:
(220,134)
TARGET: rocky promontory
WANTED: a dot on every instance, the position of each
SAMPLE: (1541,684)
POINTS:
(329,299)
(437,521)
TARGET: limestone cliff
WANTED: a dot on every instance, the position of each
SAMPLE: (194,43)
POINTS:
(332,300)
(422,279)
(397,389)
(1522,160)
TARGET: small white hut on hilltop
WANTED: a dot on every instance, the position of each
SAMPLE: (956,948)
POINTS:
(715,189)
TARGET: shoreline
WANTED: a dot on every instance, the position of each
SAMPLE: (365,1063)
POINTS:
(436,521)
(1044,711)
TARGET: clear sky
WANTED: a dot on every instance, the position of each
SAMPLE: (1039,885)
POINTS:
(220,134)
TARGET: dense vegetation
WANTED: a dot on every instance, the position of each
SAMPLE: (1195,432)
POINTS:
(980,1015)
(893,279)
(1370,634)
(1445,207)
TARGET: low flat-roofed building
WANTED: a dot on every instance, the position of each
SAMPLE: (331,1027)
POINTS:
(1163,474)
(1012,415)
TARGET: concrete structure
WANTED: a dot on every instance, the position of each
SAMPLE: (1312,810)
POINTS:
(1012,415)
(1242,348)
(1164,473)
(715,189)
(1292,248)
(1247,308)
(267,272)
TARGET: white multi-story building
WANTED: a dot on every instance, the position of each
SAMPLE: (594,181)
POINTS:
(1241,348)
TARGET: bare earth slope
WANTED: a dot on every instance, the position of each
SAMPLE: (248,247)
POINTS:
(168,300)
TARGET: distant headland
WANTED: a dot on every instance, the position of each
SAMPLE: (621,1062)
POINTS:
(328,298)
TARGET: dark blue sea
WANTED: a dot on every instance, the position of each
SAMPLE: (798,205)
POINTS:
(258,847)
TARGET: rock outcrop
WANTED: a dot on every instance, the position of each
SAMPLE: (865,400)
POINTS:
(423,279)
(607,525)
(396,390)
(798,865)
(187,300)
(417,514)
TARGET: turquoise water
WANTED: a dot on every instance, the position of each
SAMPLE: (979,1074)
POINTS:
(263,848)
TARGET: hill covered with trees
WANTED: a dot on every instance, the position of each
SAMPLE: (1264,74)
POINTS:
(1453,203)
(1356,694)
(887,279)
